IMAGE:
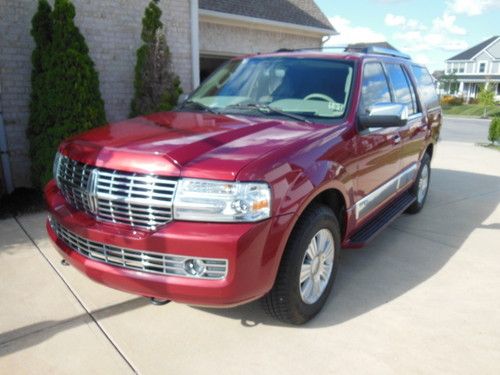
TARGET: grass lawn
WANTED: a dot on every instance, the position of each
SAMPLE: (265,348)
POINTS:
(474,110)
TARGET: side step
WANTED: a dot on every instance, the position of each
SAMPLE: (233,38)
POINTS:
(368,231)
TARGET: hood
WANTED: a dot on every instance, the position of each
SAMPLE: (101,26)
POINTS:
(202,145)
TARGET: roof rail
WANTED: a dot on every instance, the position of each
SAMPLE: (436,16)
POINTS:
(388,52)
(368,50)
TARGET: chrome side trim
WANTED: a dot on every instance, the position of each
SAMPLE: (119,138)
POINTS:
(372,200)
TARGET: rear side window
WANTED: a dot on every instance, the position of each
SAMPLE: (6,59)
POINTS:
(403,89)
(375,87)
(426,87)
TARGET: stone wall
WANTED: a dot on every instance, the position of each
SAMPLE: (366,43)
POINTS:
(112,31)
(235,40)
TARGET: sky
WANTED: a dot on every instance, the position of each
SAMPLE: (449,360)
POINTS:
(430,31)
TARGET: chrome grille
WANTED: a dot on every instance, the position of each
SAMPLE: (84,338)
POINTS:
(165,264)
(134,199)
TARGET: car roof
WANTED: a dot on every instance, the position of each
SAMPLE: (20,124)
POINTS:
(384,54)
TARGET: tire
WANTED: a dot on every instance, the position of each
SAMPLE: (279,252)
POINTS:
(291,301)
(420,187)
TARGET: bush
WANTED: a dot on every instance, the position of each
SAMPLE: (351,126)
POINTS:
(41,31)
(157,88)
(494,131)
(72,102)
(451,100)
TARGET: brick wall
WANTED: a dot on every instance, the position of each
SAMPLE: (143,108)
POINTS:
(242,40)
(112,31)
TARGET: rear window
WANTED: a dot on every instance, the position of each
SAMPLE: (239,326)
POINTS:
(426,87)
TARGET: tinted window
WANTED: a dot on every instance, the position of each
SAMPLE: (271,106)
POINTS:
(403,91)
(426,87)
(375,88)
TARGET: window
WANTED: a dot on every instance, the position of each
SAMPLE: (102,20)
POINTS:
(498,89)
(461,67)
(311,87)
(375,87)
(426,87)
(482,67)
(403,89)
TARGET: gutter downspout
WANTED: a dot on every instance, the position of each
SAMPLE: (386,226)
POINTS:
(4,153)
(195,44)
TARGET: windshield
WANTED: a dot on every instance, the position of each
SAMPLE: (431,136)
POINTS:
(306,87)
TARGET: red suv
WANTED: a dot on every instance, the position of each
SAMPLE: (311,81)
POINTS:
(250,188)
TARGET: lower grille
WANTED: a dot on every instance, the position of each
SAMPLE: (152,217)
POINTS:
(159,263)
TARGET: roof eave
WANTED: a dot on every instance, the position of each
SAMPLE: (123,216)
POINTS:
(238,20)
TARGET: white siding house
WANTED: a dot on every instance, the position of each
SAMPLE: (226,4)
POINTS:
(477,66)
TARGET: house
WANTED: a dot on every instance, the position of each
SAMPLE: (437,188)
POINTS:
(475,67)
(201,34)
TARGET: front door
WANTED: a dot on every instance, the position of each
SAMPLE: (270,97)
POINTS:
(377,150)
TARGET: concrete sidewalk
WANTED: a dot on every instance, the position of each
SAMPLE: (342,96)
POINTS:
(424,297)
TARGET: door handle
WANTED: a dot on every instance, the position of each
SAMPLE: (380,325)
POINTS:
(396,139)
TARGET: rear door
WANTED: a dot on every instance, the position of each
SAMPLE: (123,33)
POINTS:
(414,132)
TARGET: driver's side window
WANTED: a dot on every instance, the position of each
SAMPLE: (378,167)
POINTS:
(375,87)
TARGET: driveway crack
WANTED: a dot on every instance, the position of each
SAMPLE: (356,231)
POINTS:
(89,313)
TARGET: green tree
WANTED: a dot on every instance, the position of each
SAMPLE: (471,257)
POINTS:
(72,99)
(449,82)
(486,97)
(494,131)
(156,86)
(41,31)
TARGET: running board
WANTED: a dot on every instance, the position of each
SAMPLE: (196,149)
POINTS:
(369,230)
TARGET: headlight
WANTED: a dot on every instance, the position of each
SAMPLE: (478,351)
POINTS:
(55,167)
(206,200)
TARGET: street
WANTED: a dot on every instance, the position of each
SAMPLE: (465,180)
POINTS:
(423,297)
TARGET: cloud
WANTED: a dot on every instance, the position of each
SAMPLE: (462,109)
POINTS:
(393,20)
(414,36)
(352,34)
(447,23)
(471,7)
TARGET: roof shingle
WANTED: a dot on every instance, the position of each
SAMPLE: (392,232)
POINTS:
(299,12)
(473,51)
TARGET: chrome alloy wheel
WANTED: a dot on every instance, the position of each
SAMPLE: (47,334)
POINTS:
(317,266)
(423,183)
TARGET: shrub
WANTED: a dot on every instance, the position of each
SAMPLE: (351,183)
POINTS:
(451,100)
(41,31)
(494,131)
(157,88)
(72,101)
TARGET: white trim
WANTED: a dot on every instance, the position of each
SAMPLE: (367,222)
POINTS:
(380,194)
(237,20)
(488,46)
(195,44)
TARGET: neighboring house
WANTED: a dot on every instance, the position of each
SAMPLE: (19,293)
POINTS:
(201,35)
(476,67)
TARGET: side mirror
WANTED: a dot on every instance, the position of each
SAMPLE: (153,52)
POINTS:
(384,115)
(182,98)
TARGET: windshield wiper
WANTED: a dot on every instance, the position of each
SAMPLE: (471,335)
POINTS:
(200,105)
(264,108)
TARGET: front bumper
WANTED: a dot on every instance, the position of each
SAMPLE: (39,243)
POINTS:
(252,250)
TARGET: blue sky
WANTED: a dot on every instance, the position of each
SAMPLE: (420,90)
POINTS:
(430,31)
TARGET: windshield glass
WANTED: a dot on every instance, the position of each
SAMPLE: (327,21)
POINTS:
(308,87)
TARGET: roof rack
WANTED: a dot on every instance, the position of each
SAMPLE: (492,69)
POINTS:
(367,50)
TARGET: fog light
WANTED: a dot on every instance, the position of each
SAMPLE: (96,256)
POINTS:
(195,267)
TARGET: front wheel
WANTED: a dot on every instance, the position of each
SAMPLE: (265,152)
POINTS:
(308,268)
(421,186)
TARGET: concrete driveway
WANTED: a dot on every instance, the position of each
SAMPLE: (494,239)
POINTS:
(424,297)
